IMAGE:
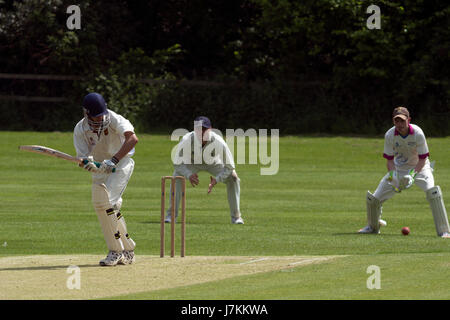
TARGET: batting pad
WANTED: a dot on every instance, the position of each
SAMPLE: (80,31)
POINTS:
(434,197)
(106,216)
(373,211)
(128,243)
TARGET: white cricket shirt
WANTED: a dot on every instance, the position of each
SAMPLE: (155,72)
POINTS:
(88,143)
(406,150)
(214,152)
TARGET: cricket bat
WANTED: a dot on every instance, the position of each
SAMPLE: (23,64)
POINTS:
(57,154)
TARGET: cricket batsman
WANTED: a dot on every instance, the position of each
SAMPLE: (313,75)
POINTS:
(407,155)
(205,150)
(107,137)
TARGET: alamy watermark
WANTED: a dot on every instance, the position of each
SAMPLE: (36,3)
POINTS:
(374,21)
(74,280)
(374,281)
(74,20)
(216,149)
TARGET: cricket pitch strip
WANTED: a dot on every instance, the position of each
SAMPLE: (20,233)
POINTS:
(48,277)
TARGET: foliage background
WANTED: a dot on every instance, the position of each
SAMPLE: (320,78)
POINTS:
(302,67)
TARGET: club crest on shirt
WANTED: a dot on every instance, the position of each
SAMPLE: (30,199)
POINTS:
(401,159)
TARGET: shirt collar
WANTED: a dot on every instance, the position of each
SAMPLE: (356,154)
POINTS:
(411,131)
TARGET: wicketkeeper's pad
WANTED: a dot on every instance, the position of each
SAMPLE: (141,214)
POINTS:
(434,197)
(373,211)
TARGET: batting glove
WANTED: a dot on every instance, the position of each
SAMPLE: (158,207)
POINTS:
(109,166)
(89,164)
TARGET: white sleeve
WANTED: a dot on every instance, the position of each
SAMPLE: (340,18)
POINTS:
(181,147)
(79,142)
(388,152)
(183,170)
(227,171)
(120,124)
(422,147)
(228,162)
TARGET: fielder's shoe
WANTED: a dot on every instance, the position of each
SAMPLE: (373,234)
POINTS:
(128,257)
(112,259)
(383,223)
(368,229)
(237,220)
(169,220)
(445,235)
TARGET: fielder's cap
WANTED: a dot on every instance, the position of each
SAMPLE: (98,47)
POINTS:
(400,112)
(95,105)
(206,123)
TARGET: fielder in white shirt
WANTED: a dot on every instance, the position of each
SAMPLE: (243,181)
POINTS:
(407,155)
(205,150)
(106,137)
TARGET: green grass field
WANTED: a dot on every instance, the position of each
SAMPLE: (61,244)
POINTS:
(312,207)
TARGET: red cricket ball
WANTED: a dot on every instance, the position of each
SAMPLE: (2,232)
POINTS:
(405,231)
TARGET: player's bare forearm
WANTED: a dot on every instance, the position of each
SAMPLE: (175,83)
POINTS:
(390,165)
(420,165)
(130,141)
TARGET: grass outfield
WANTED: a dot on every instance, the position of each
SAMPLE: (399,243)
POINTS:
(312,207)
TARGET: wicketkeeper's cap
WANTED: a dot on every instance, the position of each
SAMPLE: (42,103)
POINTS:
(400,112)
(95,105)
(206,123)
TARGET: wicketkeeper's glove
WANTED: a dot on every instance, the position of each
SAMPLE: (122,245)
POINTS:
(393,181)
(407,181)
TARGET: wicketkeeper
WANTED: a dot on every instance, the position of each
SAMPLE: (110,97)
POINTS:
(407,155)
(106,137)
(205,150)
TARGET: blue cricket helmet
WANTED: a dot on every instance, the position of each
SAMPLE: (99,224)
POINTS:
(95,105)
(203,121)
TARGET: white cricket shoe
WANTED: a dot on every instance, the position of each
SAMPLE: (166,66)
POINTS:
(128,257)
(169,219)
(368,229)
(237,220)
(112,259)
(445,235)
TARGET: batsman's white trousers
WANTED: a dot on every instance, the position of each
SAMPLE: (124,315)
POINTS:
(232,183)
(424,180)
(116,184)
